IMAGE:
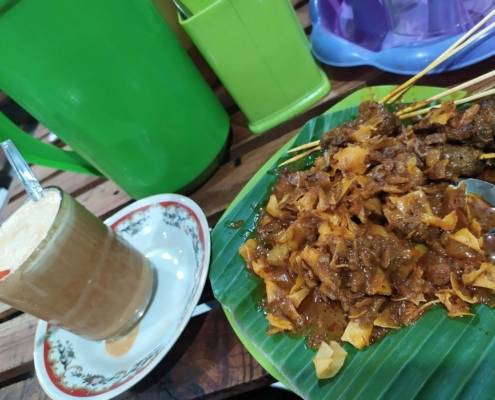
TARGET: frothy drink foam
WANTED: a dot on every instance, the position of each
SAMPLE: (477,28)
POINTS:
(21,234)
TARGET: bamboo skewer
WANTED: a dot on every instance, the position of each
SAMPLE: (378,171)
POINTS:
(462,42)
(299,156)
(442,59)
(475,96)
(484,156)
(416,110)
(413,112)
(464,85)
(315,145)
(304,146)
(430,303)
(482,88)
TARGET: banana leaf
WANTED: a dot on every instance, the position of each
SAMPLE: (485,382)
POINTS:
(436,358)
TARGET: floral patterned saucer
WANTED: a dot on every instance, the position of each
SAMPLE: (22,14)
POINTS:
(171,230)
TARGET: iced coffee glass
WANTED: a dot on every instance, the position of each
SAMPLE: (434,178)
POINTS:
(61,264)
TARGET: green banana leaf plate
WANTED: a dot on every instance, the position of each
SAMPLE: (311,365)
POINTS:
(436,358)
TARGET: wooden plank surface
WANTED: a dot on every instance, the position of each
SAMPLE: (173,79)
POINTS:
(71,183)
(5,311)
(27,389)
(208,361)
(223,186)
(208,355)
(187,372)
(42,173)
(16,346)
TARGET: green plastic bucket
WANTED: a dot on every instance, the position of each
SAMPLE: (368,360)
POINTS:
(260,53)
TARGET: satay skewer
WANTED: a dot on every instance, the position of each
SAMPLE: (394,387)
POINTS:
(299,156)
(476,96)
(468,38)
(304,146)
(422,103)
(410,112)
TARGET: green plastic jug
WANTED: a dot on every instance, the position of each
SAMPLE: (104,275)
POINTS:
(110,79)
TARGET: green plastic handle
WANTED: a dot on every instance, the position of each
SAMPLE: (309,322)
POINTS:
(196,6)
(37,152)
(5,5)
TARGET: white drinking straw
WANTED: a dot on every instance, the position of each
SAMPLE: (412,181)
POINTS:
(22,170)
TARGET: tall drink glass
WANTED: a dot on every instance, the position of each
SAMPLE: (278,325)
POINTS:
(71,269)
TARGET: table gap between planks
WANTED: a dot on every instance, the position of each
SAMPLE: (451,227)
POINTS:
(208,360)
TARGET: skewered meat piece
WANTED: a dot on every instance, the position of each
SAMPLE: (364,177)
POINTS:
(373,120)
(474,126)
(484,124)
(462,160)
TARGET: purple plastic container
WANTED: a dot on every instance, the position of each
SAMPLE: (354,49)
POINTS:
(353,32)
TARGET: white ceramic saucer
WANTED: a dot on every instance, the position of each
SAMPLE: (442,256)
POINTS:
(171,230)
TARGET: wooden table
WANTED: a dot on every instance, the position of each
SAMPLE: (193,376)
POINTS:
(208,361)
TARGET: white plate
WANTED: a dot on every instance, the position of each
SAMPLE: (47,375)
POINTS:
(172,231)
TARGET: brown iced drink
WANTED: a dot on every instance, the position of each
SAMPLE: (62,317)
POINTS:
(61,264)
